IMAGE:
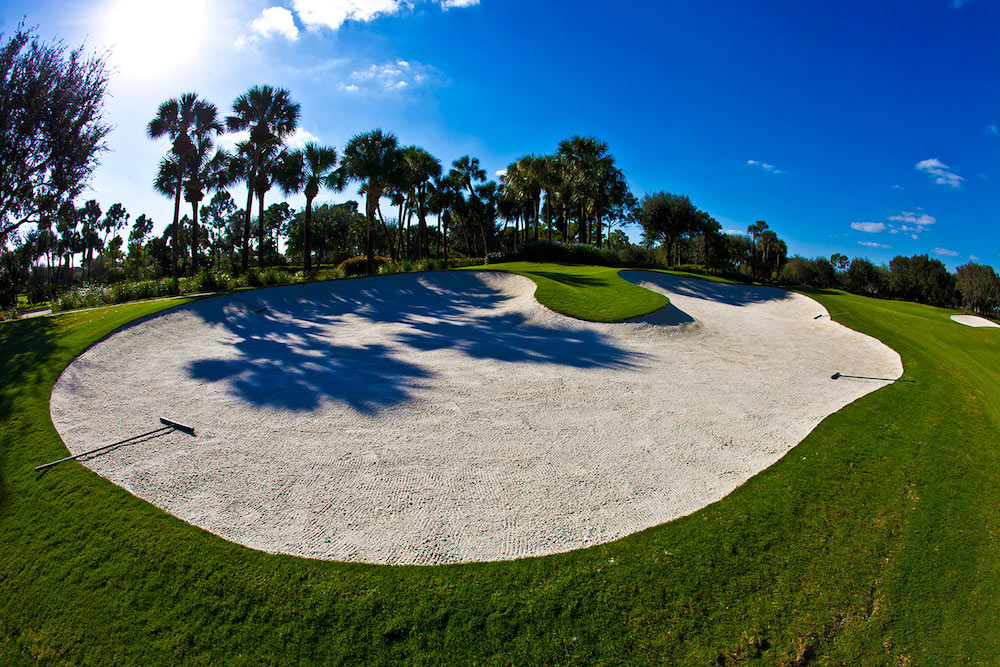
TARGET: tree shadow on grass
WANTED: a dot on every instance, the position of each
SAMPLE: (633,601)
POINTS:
(25,347)
(288,357)
(566,279)
(733,295)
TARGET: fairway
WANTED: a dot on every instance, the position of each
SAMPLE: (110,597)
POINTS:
(870,539)
(444,418)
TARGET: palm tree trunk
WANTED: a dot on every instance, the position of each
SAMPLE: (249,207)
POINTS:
(425,241)
(177,221)
(194,238)
(260,229)
(371,203)
(388,236)
(548,216)
(538,218)
(251,177)
(307,238)
(445,214)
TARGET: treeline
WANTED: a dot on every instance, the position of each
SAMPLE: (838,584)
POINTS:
(919,278)
(414,209)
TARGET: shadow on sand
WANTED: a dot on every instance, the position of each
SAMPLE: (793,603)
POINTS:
(288,357)
(733,295)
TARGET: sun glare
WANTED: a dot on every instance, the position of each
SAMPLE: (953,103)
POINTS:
(155,39)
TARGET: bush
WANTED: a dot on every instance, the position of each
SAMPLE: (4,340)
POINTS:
(577,253)
(207,281)
(358,266)
(639,257)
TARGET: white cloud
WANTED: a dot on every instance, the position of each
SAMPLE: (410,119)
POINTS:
(765,166)
(921,220)
(500,173)
(391,77)
(872,244)
(914,237)
(958,4)
(275,21)
(992,129)
(944,252)
(869,227)
(300,138)
(332,14)
(893,231)
(973,258)
(941,172)
(895,187)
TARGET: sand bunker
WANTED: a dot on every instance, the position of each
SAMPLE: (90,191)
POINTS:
(448,417)
(974,321)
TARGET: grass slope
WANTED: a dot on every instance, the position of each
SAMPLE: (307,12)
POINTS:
(873,541)
(593,293)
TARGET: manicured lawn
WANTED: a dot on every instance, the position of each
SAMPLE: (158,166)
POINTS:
(875,541)
(587,292)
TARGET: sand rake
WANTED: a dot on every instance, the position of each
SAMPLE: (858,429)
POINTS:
(168,425)
(256,307)
(837,376)
(832,314)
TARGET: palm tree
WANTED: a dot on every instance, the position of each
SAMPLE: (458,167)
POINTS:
(423,168)
(587,166)
(275,166)
(206,170)
(533,168)
(514,194)
(375,159)
(207,173)
(174,119)
(466,172)
(270,115)
(755,230)
(318,170)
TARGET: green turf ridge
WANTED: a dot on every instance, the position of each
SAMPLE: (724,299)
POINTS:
(593,293)
(874,541)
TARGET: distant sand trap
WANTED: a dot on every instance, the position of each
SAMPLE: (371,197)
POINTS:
(974,321)
(448,417)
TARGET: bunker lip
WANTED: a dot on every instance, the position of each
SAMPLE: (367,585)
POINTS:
(975,321)
(449,417)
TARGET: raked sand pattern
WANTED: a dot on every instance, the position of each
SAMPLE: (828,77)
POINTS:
(448,417)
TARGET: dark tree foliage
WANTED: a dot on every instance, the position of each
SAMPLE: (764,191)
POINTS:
(338,232)
(665,217)
(863,277)
(979,286)
(51,130)
(817,272)
(922,279)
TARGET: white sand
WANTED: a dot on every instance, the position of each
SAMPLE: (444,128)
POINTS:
(974,321)
(448,417)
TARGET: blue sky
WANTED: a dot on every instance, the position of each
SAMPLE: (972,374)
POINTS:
(849,127)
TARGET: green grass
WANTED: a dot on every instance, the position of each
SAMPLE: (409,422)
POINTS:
(586,292)
(874,541)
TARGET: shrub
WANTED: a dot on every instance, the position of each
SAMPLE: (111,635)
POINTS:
(577,253)
(358,266)
(638,256)
(274,276)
